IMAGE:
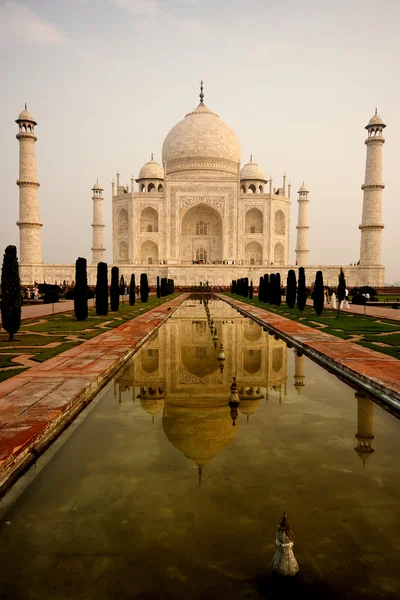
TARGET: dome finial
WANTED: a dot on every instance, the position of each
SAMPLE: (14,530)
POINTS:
(26,108)
(152,156)
(376,111)
(251,158)
(201,92)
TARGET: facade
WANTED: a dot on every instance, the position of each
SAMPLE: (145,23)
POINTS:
(200,216)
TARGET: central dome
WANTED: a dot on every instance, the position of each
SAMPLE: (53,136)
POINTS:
(201,141)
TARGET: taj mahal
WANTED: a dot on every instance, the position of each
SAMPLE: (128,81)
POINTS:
(200,215)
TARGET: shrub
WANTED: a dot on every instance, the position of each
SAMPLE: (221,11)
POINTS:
(144,288)
(272,288)
(278,290)
(50,297)
(102,289)
(301,291)
(11,298)
(81,293)
(132,292)
(251,291)
(114,289)
(266,290)
(318,299)
(261,289)
(291,289)
(358,299)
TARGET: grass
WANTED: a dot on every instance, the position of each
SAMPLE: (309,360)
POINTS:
(345,327)
(59,327)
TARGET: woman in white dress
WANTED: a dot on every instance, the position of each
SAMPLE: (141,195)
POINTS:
(333,301)
(284,561)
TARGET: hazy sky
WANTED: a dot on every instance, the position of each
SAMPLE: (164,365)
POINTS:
(107,79)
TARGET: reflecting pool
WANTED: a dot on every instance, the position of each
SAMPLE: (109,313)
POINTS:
(163,490)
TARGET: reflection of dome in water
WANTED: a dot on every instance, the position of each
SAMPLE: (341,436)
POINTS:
(250,400)
(152,407)
(200,433)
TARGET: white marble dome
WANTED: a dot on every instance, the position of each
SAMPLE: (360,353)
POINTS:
(25,115)
(151,170)
(201,140)
(252,171)
(375,120)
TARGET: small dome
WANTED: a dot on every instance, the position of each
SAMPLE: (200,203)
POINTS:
(375,120)
(25,115)
(97,186)
(151,170)
(304,188)
(252,171)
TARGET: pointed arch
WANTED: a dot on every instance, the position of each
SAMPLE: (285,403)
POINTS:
(123,221)
(253,221)
(149,220)
(279,254)
(280,225)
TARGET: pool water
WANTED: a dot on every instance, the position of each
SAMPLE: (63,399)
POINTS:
(160,491)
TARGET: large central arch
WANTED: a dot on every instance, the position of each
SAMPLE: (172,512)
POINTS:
(201,235)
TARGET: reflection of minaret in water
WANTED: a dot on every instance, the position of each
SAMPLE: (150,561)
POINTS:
(298,371)
(365,421)
(152,400)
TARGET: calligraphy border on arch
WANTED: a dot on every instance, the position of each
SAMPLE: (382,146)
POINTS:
(217,202)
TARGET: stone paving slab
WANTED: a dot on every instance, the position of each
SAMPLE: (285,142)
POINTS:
(376,373)
(43,310)
(36,405)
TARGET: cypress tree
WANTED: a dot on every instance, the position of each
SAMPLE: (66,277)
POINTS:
(158,287)
(246,287)
(251,290)
(341,290)
(291,289)
(272,289)
(266,292)
(81,290)
(301,292)
(318,299)
(144,288)
(102,289)
(11,298)
(260,289)
(278,290)
(114,290)
(132,292)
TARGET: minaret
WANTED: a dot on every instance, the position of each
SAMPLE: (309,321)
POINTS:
(298,371)
(371,222)
(30,246)
(98,224)
(302,228)
(365,421)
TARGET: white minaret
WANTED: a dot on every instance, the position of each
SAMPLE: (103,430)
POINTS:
(302,228)
(98,224)
(30,245)
(371,222)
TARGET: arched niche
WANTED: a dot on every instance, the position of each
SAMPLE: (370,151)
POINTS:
(253,253)
(149,360)
(279,254)
(254,221)
(251,189)
(243,189)
(123,221)
(199,360)
(151,187)
(252,361)
(280,222)
(160,188)
(148,220)
(149,253)
(192,240)
(252,331)
(123,252)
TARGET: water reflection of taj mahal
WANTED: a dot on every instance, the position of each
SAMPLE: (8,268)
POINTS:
(178,376)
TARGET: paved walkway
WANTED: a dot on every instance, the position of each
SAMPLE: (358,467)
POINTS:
(374,372)
(371,311)
(32,311)
(37,404)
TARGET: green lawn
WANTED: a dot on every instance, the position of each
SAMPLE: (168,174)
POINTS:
(59,327)
(345,327)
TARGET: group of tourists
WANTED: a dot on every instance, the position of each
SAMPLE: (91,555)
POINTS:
(31,293)
(332,300)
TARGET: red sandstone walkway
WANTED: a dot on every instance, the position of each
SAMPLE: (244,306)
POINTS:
(374,372)
(32,311)
(371,311)
(37,403)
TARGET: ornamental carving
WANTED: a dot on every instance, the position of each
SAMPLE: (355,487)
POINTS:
(185,377)
(216,202)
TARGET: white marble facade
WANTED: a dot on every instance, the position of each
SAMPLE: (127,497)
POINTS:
(199,216)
